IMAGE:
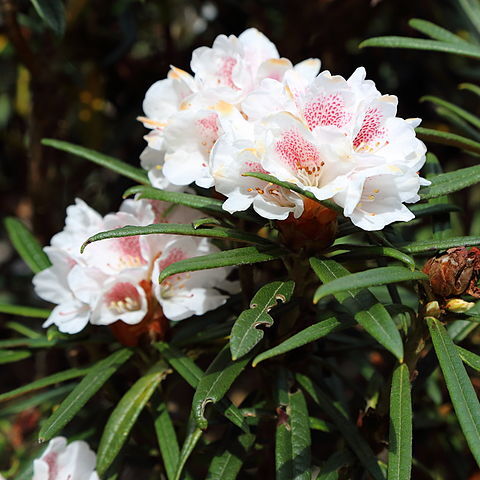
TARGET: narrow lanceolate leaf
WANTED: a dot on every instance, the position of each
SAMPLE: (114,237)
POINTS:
(45,382)
(400,436)
(436,32)
(41,342)
(11,356)
(22,311)
(457,48)
(470,358)
(295,188)
(245,332)
(292,440)
(310,334)
(26,245)
(329,470)
(178,198)
(178,229)
(447,138)
(125,415)
(368,278)
(471,87)
(431,246)
(167,440)
(365,308)
(129,171)
(215,382)
(227,258)
(463,396)
(90,384)
(193,436)
(451,182)
(192,374)
(348,430)
(427,209)
(462,113)
(361,251)
(52,12)
(227,463)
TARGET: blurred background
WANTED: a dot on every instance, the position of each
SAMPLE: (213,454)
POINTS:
(87,85)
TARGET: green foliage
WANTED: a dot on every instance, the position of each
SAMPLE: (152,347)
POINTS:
(52,12)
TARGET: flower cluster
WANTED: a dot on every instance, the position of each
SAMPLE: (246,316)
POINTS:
(116,279)
(59,461)
(245,109)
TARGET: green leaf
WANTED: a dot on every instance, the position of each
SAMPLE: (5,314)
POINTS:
(367,311)
(309,334)
(137,174)
(45,382)
(215,383)
(167,440)
(192,374)
(447,138)
(348,430)
(90,384)
(463,396)
(295,188)
(191,441)
(42,342)
(472,12)
(226,258)
(361,251)
(462,113)
(436,32)
(457,48)
(125,414)
(400,436)
(178,229)
(245,333)
(22,311)
(38,399)
(227,463)
(367,278)
(431,246)
(470,358)
(11,356)
(427,209)
(52,12)
(293,441)
(329,470)
(451,182)
(26,245)
(471,87)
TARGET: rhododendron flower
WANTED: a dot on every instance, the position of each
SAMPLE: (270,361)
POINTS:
(338,139)
(113,279)
(184,111)
(75,461)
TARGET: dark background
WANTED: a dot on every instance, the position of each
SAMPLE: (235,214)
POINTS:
(87,87)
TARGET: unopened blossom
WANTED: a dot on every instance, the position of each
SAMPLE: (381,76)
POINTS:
(184,112)
(112,280)
(75,461)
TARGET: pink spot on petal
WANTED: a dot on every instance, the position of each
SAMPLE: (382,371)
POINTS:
(225,72)
(301,156)
(254,167)
(122,297)
(327,110)
(371,130)
(208,128)
(175,255)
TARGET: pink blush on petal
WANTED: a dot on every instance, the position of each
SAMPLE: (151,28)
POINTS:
(370,131)
(226,71)
(123,296)
(51,460)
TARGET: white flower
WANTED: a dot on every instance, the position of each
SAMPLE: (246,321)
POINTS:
(342,136)
(112,280)
(191,293)
(185,113)
(75,461)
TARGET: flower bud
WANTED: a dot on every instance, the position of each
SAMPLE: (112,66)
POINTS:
(457,305)
(432,309)
(314,230)
(455,272)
